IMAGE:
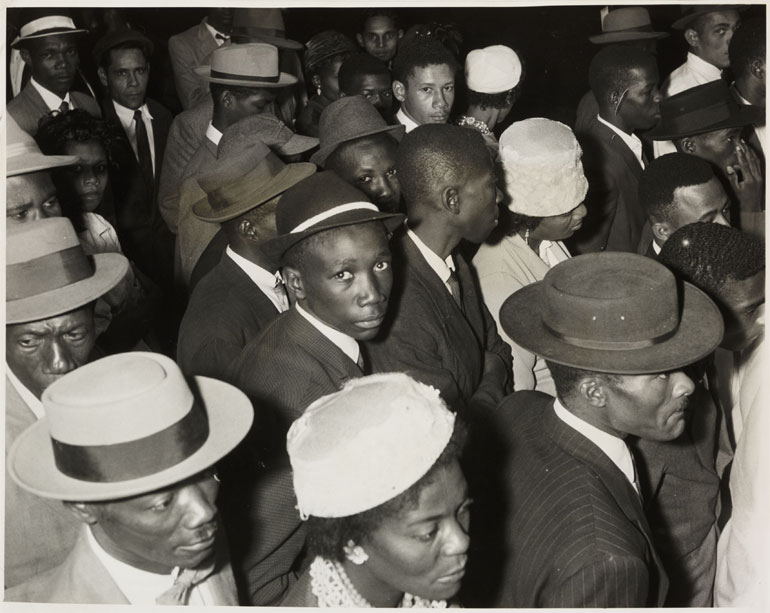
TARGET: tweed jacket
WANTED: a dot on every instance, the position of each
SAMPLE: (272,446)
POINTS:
(226,311)
(187,50)
(39,532)
(557,523)
(82,579)
(427,335)
(615,218)
(28,107)
(288,366)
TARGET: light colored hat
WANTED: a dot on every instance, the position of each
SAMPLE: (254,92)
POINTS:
(541,162)
(48,25)
(625,24)
(127,425)
(22,155)
(47,273)
(492,70)
(248,65)
(360,447)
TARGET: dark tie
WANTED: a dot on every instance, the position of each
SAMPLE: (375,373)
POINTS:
(64,106)
(454,288)
(143,150)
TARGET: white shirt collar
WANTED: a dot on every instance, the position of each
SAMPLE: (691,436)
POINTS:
(213,31)
(262,278)
(213,134)
(701,67)
(443,268)
(32,401)
(52,101)
(126,115)
(347,344)
(633,142)
(613,447)
(405,120)
(656,248)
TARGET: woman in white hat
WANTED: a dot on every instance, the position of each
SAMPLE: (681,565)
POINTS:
(377,478)
(544,191)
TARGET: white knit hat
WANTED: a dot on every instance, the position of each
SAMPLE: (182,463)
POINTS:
(357,448)
(541,162)
(492,70)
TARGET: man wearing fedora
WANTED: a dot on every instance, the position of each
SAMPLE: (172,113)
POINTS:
(145,493)
(48,46)
(51,287)
(357,144)
(243,187)
(332,244)
(574,533)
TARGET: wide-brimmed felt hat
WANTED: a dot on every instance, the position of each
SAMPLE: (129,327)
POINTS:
(47,273)
(127,425)
(321,202)
(700,109)
(118,37)
(626,24)
(245,175)
(48,25)
(613,312)
(247,65)
(691,12)
(22,155)
(347,119)
(324,45)
(262,25)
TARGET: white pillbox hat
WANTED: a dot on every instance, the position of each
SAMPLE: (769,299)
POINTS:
(492,70)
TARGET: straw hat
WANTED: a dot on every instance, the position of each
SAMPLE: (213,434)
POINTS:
(22,155)
(47,25)
(248,65)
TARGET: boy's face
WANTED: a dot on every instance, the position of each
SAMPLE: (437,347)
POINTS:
(428,94)
(380,37)
(376,88)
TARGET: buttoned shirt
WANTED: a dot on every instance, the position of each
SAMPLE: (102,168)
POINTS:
(52,101)
(32,401)
(613,447)
(213,134)
(347,344)
(443,268)
(402,118)
(126,117)
(262,278)
(633,142)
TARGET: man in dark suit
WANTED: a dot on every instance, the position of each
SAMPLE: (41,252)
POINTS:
(566,526)
(48,46)
(625,83)
(439,330)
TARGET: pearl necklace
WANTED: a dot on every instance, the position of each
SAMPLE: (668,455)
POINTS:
(466,120)
(332,587)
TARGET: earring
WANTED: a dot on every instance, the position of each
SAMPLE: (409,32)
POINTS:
(355,553)
(526,236)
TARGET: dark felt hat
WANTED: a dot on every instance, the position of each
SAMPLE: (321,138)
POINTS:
(691,12)
(261,26)
(702,109)
(321,202)
(613,312)
(324,45)
(625,24)
(118,37)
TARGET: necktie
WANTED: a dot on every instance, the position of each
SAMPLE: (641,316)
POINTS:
(637,484)
(187,578)
(64,106)
(454,288)
(280,293)
(221,39)
(143,150)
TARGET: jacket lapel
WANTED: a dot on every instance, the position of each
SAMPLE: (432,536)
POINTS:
(621,149)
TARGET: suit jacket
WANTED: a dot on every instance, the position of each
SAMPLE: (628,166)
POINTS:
(557,524)
(82,579)
(286,368)
(39,532)
(427,335)
(211,256)
(188,50)
(226,311)
(615,218)
(585,115)
(28,107)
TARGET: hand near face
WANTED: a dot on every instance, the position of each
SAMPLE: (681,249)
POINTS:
(746,178)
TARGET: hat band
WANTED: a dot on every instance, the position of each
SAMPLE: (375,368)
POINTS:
(337,210)
(242,77)
(243,190)
(586,343)
(257,31)
(134,459)
(644,28)
(44,24)
(699,118)
(46,273)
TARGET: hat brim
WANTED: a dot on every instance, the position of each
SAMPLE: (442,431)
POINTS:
(683,22)
(277,41)
(700,331)
(288,176)
(33,162)
(31,461)
(109,269)
(620,37)
(20,39)
(745,116)
(284,80)
(319,157)
(297,144)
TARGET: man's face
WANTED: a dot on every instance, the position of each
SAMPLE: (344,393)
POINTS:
(640,106)
(126,77)
(30,197)
(651,407)
(40,352)
(156,532)
(53,61)
(713,36)
(377,89)
(706,202)
(258,102)
(346,279)
(717,147)
(743,307)
(380,37)
(479,198)
(428,94)
(370,165)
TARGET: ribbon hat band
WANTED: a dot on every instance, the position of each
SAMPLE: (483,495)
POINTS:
(337,210)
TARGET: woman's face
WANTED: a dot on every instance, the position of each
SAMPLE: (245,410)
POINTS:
(423,550)
(559,227)
(89,175)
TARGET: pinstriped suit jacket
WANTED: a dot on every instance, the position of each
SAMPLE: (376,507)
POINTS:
(565,528)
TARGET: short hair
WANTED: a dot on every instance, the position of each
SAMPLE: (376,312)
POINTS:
(435,155)
(566,378)
(334,159)
(105,58)
(379,12)
(664,175)
(419,53)
(708,254)
(239,91)
(357,65)
(58,129)
(327,537)
(610,69)
(747,46)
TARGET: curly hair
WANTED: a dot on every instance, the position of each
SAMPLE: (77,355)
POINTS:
(419,53)
(57,129)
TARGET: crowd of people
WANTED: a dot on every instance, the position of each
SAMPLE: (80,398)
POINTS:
(333,330)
